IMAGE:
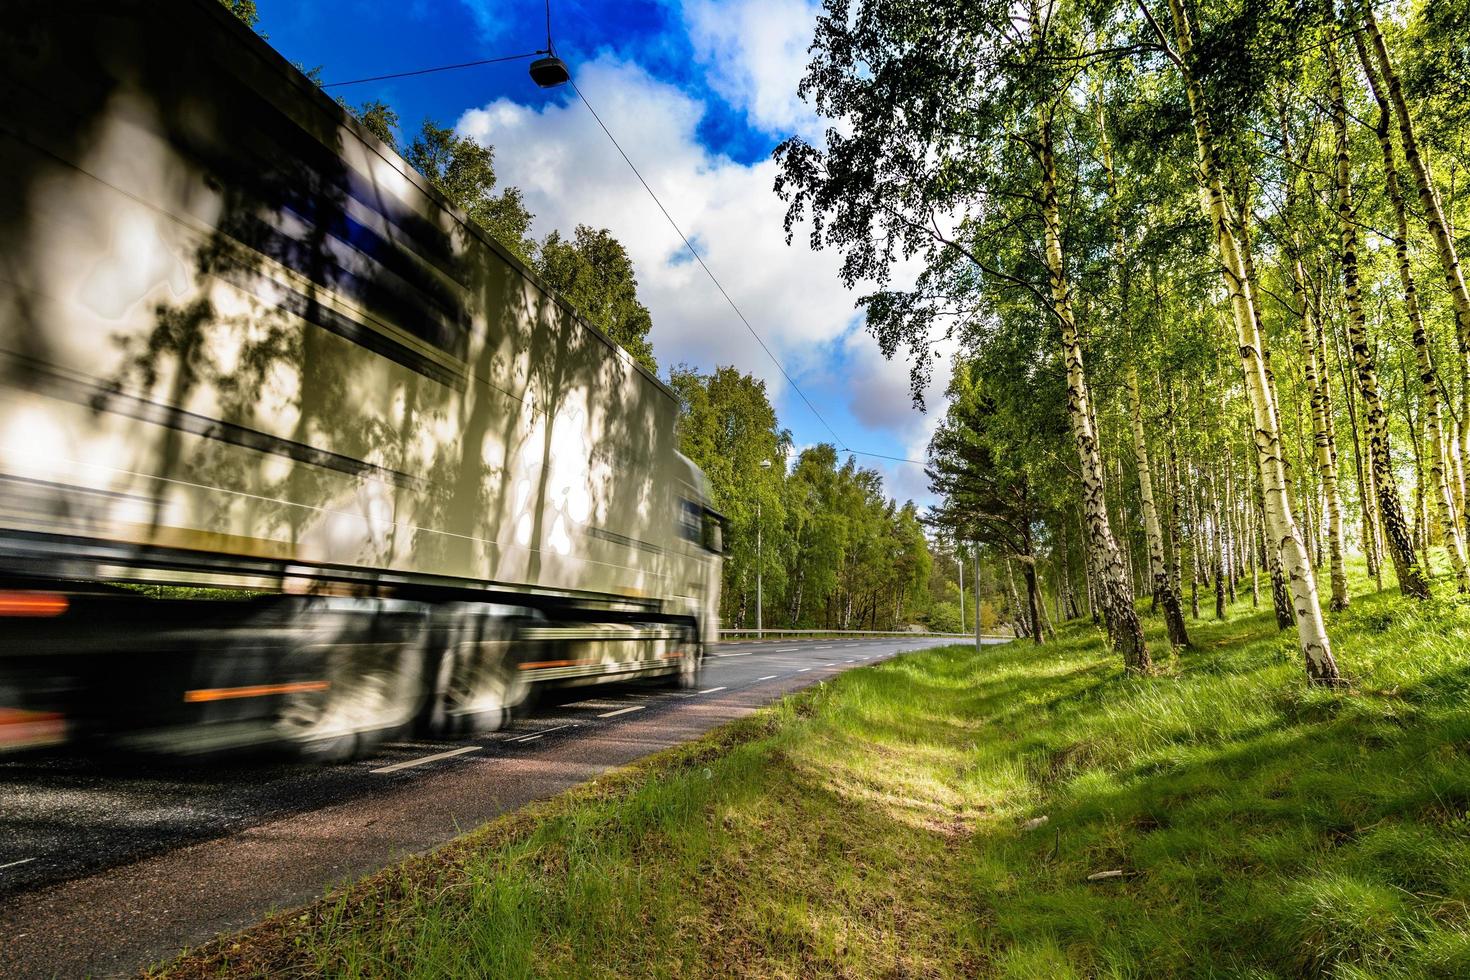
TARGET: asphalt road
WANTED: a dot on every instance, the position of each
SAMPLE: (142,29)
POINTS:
(107,866)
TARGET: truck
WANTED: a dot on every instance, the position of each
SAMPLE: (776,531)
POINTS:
(292,452)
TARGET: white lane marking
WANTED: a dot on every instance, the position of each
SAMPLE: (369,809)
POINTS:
(427,759)
(850,660)
(545,731)
(832,664)
(622,711)
(13,864)
(803,670)
(768,677)
(711,690)
(786,650)
(827,647)
(726,656)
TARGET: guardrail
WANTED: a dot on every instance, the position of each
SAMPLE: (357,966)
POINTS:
(762,634)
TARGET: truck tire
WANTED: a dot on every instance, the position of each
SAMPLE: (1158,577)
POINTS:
(372,661)
(691,665)
(476,685)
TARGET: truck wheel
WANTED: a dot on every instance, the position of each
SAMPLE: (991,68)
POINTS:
(476,685)
(691,665)
(373,669)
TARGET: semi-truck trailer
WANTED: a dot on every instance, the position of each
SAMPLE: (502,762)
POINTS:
(292,452)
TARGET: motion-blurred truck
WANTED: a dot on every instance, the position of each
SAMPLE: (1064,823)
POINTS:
(291,452)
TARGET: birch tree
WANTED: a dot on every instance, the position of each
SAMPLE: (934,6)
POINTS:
(934,162)
(1316,649)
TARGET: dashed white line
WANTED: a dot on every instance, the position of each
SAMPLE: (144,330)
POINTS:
(786,650)
(529,736)
(15,863)
(803,670)
(622,711)
(711,690)
(768,677)
(832,664)
(850,660)
(427,759)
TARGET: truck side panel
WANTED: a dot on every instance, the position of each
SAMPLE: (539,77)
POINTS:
(233,323)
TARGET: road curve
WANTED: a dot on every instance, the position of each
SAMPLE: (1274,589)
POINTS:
(106,867)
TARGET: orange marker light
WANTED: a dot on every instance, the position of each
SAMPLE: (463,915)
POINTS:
(39,604)
(254,691)
(29,729)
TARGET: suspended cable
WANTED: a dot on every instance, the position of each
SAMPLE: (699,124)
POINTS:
(430,71)
(842,446)
(685,239)
(896,459)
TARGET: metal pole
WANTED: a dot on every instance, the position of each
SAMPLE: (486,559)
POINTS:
(960,560)
(976,579)
(758,603)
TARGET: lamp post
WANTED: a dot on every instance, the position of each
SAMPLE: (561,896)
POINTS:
(960,561)
(976,579)
(759,626)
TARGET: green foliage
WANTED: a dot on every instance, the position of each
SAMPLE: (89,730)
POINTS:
(245,10)
(380,119)
(944,617)
(464,172)
(835,552)
(728,428)
(593,272)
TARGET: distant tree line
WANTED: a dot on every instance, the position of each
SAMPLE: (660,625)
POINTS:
(834,552)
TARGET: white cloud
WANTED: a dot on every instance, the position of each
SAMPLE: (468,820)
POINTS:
(756,51)
(880,398)
(491,18)
(571,173)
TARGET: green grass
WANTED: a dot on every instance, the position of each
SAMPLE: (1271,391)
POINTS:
(874,827)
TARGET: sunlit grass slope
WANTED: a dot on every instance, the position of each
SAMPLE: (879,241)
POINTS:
(875,826)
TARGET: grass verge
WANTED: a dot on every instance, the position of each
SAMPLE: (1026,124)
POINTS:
(877,826)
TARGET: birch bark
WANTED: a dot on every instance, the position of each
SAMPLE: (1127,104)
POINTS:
(1115,590)
(1428,377)
(1412,581)
(1311,630)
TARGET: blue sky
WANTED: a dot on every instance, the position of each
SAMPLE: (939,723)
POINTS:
(698,92)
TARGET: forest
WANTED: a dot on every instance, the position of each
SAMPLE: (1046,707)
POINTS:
(1202,261)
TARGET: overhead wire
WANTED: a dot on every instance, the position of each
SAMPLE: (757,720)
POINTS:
(842,445)
(430,71)
(698,258)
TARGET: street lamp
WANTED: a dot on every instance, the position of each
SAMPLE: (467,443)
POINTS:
(550,71)
(759,626)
